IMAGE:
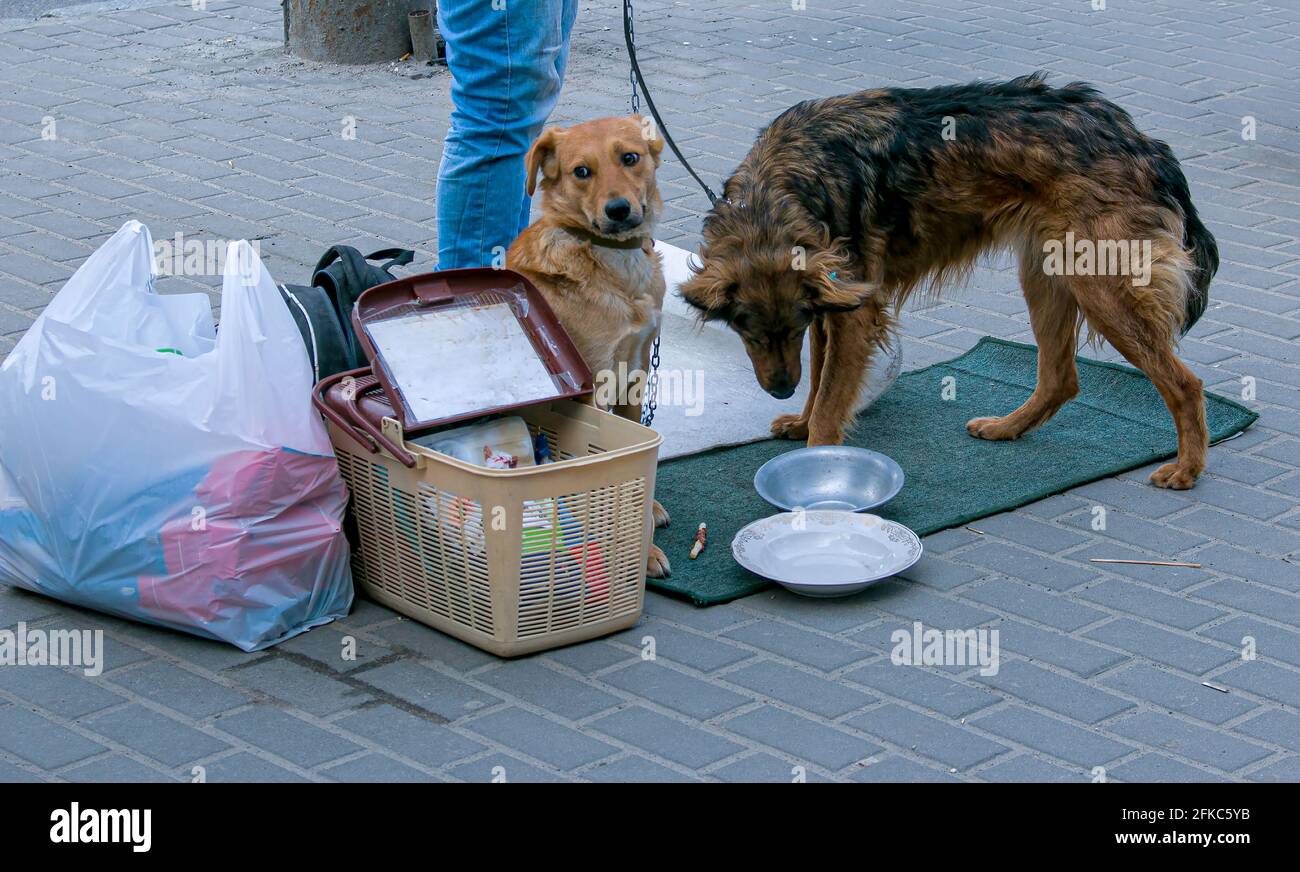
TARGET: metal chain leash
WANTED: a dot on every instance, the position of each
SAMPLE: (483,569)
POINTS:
(631,73)
(651,400)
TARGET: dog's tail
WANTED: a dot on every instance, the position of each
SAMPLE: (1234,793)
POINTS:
(1197,239)
(1205,252)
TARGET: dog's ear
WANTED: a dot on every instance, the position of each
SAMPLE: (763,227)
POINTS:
(543,156)
(829,284)
(650,133)
(709,292)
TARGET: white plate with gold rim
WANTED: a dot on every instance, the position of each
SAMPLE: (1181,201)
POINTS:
(826,553)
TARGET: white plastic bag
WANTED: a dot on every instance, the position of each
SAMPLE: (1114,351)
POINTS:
(155,469)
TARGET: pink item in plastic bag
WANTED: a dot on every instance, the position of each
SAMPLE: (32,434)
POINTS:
(262,521)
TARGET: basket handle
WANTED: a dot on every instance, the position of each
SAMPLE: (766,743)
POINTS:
(318,400)
(368,384)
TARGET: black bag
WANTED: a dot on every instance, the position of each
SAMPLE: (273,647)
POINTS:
(323,310)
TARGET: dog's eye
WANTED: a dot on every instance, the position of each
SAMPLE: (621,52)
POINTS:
(581,172)
(630,158)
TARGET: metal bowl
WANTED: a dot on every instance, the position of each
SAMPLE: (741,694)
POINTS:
(829,477)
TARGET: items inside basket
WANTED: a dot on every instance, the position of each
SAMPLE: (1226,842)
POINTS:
(497,443)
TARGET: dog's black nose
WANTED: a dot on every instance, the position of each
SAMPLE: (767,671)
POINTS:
(618,210)
(782,387)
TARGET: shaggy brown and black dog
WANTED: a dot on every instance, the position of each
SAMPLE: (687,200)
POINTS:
(847,205)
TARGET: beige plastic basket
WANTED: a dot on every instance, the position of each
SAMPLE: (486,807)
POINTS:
(509,560)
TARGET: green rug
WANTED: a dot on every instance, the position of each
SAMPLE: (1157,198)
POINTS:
(1118,422)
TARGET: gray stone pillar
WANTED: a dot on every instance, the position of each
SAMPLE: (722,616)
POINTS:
(350,31)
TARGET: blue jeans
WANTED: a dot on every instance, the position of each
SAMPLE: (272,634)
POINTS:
(506,64)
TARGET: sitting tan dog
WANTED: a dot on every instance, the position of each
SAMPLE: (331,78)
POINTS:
(591,254)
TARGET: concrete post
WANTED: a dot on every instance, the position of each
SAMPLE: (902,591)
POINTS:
(350,31)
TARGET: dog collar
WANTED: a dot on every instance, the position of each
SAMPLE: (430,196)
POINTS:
(605,242)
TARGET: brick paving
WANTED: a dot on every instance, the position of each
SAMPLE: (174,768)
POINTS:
(195,122)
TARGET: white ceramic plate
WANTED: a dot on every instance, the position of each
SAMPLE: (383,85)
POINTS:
(826,553)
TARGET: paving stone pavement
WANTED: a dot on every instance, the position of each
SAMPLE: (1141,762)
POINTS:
(195,122)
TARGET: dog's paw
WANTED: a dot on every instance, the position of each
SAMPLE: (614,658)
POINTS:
(1174,476)
(661,515)
(657,563)
(790,427)
(995,429)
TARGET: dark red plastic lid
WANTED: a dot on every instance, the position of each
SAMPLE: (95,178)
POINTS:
(471,287)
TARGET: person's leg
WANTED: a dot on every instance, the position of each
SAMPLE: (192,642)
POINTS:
(568,14)
(507,61)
